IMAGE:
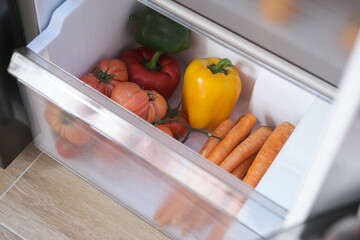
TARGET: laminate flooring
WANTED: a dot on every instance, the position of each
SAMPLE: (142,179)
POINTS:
(41,199)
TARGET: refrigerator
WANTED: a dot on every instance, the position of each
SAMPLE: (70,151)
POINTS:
(14,130)
(298,62)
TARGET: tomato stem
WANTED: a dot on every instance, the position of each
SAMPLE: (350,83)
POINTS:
(172,112)
(190,129)
(151,96)
(178,106)
(103,76)
(67,118)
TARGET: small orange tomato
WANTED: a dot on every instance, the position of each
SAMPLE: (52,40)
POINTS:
(178,129)
(165,129)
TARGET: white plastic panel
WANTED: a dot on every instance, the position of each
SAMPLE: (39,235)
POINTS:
(292,164)
(342,117)
(343,175)
(44,10)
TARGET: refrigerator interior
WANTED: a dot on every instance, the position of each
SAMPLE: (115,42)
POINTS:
(150,168)
(296,30)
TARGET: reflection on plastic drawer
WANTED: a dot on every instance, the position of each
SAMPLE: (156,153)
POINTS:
(129,180)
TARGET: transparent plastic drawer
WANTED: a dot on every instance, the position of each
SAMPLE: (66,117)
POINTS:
(143,169)
(165,182)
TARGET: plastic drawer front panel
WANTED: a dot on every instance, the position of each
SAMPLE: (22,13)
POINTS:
(155,176)
(127,178)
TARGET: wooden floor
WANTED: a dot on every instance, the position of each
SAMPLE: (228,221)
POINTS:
(40,199)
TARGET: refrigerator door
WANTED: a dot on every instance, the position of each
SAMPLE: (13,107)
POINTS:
(337,182)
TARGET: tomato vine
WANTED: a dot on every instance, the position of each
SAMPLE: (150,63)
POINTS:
(175,115)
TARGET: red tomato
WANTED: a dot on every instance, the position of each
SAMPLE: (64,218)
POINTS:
(107,150)
(107,74)
(67,149)
(147,104)
(165,129)
(178,129)
(67,125)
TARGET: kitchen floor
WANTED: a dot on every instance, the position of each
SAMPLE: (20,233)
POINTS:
(41,199)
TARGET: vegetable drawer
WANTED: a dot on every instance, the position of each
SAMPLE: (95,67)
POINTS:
(166,182)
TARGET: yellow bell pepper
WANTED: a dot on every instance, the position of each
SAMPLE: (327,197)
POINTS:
(210,91)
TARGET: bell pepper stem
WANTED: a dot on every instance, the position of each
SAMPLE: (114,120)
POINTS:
(135,18)
(67,118)
(152,65)
(221,67)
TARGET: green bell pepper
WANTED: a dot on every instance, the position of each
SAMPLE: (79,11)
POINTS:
(160,33)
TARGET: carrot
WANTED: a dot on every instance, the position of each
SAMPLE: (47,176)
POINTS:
(248,147)
(166,212)
(268,153)
(199,219)
(165,206)
(242,168)
(220,228)
(241,129)
(221,131)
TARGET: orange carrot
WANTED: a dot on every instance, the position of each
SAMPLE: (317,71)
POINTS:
(219,230)
(241,129)
(242,168)
(200,217)
(221,131)
(248,147)
(165,206)
(268,153)
(165,213)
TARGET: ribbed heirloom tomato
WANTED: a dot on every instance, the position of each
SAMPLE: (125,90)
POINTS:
(107,74)
(67,125)
(107,151)
(147,104)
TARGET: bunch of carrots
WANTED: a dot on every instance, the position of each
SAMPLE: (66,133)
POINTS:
(245,155)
